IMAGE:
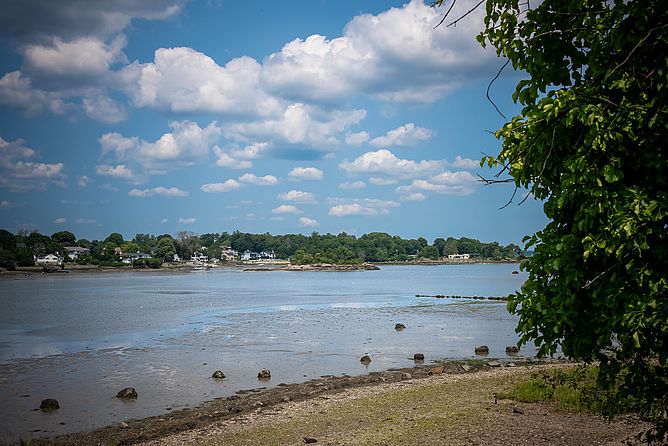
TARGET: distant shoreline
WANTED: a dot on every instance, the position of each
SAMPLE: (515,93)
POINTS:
(246,266)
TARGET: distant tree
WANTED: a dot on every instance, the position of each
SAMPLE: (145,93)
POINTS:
(84,243)
(129,247)
(439,244)
(451,247)
(65,238)
(7,240)
(430,252)
(24,257)
(165,249)
(115,238)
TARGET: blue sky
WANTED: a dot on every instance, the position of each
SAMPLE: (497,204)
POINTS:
(155,116)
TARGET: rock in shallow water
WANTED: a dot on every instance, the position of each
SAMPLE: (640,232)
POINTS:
(482,350)
(399,327)
(418,357)
(366,359)
(218,374)
(264,374)
(49,404)
(129,393)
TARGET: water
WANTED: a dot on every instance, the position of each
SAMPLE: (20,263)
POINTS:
(80,338)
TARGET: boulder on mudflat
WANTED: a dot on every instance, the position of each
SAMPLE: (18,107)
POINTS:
(218,374)
(366,359)
(264,374)
(406,375)
(482,350)
(399,327)
(128,393)
(512,350)
(418,357)
(49,404)
(309,440)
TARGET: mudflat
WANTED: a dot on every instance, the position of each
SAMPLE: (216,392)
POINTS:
(453,403)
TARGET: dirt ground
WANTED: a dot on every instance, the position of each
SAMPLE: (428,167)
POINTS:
(450,404)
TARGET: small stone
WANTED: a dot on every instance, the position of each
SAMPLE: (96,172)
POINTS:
(218,374)
(264,374)
(418,357)
(366,359)
(286,399)
(399,327)
(308,440)
(494,364)
(127,394)
(512,350)
(406,375)
(518,410)
(125,425)
(465,367)
(49,404)
(436,371)
(482,350)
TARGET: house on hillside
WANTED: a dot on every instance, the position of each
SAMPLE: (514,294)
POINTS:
(49,260)
(228,254)
(459,256)
(199,257)
(130,257)
(73,252)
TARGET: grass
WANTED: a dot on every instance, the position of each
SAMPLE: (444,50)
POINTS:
(572,390)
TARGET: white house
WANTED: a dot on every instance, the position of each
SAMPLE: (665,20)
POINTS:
(227,253)
(49,260)
(130,257)
(73,252)
(199,257)
(459,256)
(176,258)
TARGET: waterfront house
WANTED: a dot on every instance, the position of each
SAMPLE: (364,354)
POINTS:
(73,252)
(199,257)
(48,260)
(459,256)
(130,257)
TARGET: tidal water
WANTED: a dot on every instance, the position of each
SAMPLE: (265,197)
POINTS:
(80,338)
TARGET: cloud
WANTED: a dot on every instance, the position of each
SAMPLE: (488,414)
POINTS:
(286,209)
(385,162)
(86,221)
(343,207)
(6,204)
(17,91)
(405,135)
(227,186)
(464,163)
(104,109)
(83,181)
(298,196)
(187,144)
(382,181)
(60,221)
(356,139)
(306,173)
(447,183)
(353,185)
(187,221)
(163,191)
(413,196)
(267,180)
(240,158)
(298,123)
(121,171)
(19,173)
(396,55)
(308,222)
(164,220)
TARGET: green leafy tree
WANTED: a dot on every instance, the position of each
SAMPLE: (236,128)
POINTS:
(165,249)
(115,238)
(65,238)
(590,142)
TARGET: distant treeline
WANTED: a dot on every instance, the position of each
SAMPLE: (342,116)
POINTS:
(20,249)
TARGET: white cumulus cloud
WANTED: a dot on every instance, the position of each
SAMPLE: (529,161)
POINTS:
(306,173)
(160,190)
(60,220)
(267,180)
(187,220)
(286,209)
(19,173)
(120,171)
(405,135)
(227,186)
(342,207)
(298,196)
(352,185)
(385,162)
(308,222)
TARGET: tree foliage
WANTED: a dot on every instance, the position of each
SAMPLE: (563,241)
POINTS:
(590,142)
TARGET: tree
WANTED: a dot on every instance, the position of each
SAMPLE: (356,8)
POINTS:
(165,249)
(65,238)
(115,238)
(590,142)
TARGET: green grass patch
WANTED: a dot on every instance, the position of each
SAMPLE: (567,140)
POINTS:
(572,390)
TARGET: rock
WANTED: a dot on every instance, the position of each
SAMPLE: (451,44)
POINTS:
(406,375)
(264,374)
(366,359)
(399,327)
(308,440)
(49,404)
(218,374)
(482,350)
(127,394)
(125,425)
(465,367)
(518,410)
(512,350)
(286,399)
(418,357)
(436,371)
(494,364)
(515,272)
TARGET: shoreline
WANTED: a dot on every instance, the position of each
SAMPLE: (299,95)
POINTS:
(28,271)
(253,401)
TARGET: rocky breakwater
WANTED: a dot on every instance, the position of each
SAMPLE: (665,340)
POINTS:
(332,267)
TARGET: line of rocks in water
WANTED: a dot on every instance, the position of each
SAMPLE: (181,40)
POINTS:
(454,296)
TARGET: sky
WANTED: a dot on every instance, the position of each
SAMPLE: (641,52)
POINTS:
(157,116)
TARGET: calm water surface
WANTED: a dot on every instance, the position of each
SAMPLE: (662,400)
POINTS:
(80,338)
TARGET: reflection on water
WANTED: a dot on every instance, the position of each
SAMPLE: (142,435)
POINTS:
(81,338)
